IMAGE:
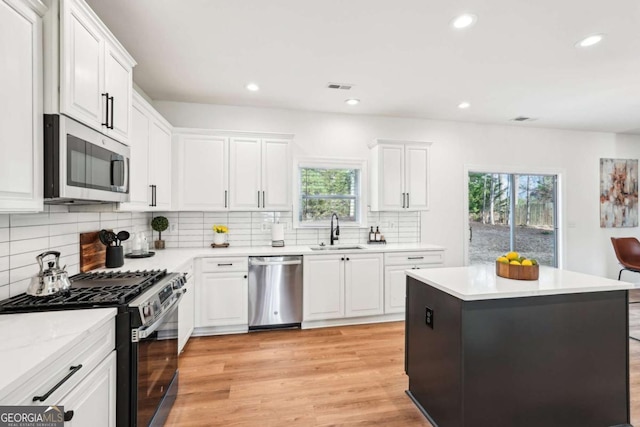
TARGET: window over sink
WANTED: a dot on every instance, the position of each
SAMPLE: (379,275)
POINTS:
(327,186)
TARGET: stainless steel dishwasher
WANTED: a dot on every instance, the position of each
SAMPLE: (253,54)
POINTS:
(275,292)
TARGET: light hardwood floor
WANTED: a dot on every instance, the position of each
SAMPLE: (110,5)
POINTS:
(322,377)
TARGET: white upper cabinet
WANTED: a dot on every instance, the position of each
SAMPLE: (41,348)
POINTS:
(21,86)
(259,174)
(244,169)
(150,161)
(203,184)
(96,72)
(399,175)
(235,171)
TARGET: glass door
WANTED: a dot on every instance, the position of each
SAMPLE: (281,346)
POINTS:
(512,212)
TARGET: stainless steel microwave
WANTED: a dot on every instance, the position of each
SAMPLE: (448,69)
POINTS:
(82,165)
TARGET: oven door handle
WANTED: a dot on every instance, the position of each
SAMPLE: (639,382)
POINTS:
(146,331)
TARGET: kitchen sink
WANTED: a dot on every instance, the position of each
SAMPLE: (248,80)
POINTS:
(334,248)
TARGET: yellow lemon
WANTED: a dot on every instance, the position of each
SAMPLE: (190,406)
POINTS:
(512,255)
(514,262)
(503,260)
(527,262)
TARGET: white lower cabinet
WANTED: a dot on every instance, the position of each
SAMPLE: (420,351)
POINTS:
(342,285)
(93,401)
(222,294)
(395,279)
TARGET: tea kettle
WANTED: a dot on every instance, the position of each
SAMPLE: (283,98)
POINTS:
(51,281)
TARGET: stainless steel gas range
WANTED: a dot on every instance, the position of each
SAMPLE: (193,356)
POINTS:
(146,334)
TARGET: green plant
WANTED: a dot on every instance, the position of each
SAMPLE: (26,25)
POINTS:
(159,224)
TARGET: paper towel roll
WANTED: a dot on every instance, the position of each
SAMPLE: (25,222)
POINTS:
(277,232)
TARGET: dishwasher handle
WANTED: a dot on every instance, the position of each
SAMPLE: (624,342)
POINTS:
(294,262)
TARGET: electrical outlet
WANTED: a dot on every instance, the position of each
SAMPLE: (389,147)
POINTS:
(428,318)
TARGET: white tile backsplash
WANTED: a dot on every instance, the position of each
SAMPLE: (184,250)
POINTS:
(24,236)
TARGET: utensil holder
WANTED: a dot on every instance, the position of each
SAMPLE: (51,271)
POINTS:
(115,257)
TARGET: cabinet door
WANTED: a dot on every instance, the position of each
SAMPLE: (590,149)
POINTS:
(93,401)
(81,62)
(204,173)
(21,108)
(222,299)
(276,171)
(417,177)
(160,164)
(395,288)
(186,315)
(139,160)
(119,86)
(391,177)
(323,287)
(364,284)
(244,174)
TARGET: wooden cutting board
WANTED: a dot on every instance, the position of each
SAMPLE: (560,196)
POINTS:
(92,251)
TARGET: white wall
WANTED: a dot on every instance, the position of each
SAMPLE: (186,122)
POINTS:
(455,145)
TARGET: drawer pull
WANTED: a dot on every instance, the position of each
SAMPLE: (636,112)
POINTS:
(415,257)
(225,265)
(45,396)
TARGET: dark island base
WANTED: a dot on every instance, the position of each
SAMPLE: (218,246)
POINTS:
(558,360)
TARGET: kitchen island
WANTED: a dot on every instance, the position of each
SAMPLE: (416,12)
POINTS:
(482,350)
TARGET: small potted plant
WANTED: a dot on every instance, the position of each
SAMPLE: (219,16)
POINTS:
(159,224)
(220,234)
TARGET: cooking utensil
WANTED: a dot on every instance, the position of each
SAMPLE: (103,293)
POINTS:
(122,236)
(102,235)
(51,281)
(111,237)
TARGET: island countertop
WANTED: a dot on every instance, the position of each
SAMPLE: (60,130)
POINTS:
(480,282)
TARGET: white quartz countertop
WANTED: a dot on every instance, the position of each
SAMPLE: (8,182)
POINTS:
(480,282)
(29,341)
(174,259)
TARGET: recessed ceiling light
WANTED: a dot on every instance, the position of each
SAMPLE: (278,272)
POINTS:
(464,21)
(253,87)
(352,101)
(464,105)
(590,41)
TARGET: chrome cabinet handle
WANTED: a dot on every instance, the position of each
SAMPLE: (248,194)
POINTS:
(263,199)
(407,200)
(45,396)
(225,198)
(258,198)
(110,126)
(415,257)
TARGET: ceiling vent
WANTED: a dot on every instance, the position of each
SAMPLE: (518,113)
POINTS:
(523,119)
(342,86)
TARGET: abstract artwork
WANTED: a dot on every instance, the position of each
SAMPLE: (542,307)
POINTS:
(618,193)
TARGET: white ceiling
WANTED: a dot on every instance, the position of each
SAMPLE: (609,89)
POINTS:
(402,56)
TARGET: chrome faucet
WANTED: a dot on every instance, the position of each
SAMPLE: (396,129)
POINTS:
(334,238)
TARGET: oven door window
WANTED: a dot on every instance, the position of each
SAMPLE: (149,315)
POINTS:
(76,162)
(157,364)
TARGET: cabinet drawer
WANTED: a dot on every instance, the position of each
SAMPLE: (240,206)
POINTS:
(214,265)
(414,258)
(89,353)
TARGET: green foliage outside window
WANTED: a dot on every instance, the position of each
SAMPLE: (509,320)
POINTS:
(324,191)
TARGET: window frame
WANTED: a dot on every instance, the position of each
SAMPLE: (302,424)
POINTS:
(331,163)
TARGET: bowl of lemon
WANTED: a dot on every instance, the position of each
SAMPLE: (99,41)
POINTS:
(513,266)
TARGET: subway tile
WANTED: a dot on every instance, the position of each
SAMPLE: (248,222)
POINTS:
(24,220)
(190,244)
(86,227)
(4,291)
(4,278)
(108,216)
(4,249)
(66,250)
(191,215)
(190,220)
(25,259)
(4,264)
(56,230)
(4,221)
(66,260)
(31,232)
(190,226)
(73,269)
(63,218)
(30,245)
(19,287)
(109,225)
(194,232)
(57,208)
(4,234)
(22,273)
(88,217)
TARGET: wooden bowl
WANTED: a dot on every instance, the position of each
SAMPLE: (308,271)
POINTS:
(517,272)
